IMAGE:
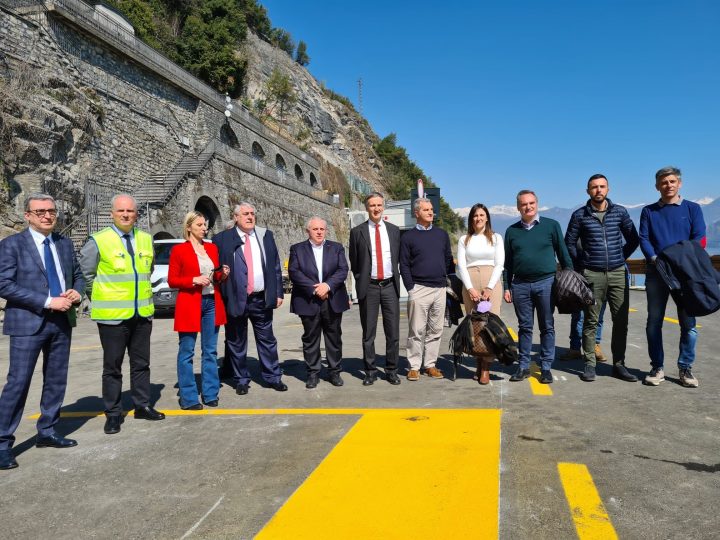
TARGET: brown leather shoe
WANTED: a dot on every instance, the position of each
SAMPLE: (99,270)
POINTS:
(484,371)
(434,372)
(599,355)
(413,375)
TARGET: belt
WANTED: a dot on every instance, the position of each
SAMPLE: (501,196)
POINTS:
(255,294)
(381,282)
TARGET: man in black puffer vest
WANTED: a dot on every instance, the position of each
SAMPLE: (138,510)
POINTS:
(607,237)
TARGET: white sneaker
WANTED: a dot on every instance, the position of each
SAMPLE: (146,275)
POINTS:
(655,377)
(687,379)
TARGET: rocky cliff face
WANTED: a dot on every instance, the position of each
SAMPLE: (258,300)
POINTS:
(46,125)
(325,126)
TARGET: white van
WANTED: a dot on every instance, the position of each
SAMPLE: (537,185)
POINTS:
(163,296)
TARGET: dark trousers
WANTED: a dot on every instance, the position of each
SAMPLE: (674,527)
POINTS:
(53,340)
(383,299)
(236,341)
(325,323)
(132,335)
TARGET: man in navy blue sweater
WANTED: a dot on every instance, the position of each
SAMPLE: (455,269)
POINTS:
(670,220)
(425,262)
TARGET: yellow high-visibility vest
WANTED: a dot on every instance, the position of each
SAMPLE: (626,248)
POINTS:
(117,284)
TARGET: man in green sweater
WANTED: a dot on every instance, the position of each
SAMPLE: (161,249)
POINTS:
(531,248)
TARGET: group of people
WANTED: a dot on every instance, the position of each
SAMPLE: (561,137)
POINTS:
(236,279)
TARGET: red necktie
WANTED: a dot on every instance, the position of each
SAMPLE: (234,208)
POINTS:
(247,251)
(378,252)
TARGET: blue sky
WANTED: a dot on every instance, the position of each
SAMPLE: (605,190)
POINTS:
(493,97)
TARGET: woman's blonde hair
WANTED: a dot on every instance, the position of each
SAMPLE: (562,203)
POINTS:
(190,218)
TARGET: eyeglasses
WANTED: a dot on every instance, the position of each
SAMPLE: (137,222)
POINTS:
(40,213)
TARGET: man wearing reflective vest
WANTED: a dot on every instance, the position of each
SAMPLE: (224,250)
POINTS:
(117,263)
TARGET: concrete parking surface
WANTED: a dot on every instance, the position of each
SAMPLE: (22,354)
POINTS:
(427,459)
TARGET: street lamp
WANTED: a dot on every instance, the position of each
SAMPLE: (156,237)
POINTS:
(228,106)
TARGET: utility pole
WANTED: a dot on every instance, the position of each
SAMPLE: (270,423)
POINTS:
(360,108)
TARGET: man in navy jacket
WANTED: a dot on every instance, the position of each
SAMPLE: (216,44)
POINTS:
(318,269)
(607,237)
(40,278)
(254,289)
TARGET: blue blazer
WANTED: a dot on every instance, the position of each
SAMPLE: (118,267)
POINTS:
(24,282)
(234,289)
(304,275)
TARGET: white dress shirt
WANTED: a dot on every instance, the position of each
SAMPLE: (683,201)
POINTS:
(318,253)
(258,277)
(384,246)
(39,238)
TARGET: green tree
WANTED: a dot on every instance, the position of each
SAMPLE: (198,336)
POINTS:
(283,40)
(279,91)
(301,56)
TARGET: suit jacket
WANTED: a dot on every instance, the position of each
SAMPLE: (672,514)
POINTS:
(184,266)
(234,289)
(24,282)
(304,275)
(361,257)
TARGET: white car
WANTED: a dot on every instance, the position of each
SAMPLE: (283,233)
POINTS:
(163,296)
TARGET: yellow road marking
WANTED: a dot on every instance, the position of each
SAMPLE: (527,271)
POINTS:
(588,512)
(256,412)
(538,388)
(632,310)
(668,319)
(435,462)
(85,348)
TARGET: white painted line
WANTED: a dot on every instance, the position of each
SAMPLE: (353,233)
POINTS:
(633,345)
(192,529)
(563,377)
(556,377)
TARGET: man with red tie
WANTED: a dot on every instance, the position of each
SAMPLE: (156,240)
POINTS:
(253,290)
(374,255)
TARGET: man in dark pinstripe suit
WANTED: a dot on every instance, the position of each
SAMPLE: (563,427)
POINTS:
(40,279)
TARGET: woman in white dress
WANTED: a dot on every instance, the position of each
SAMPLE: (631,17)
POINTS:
(481,256)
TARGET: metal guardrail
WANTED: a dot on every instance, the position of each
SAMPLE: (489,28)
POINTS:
(639,266)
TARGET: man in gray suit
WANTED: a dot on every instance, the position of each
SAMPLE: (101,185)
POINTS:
(374,256)
(40,279)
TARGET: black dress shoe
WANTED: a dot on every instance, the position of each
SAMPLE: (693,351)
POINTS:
(211,403)
(312,381)
(242,389)
(520,374)
(546,377)
(7,460)
(54,441)
(335,379)
(370,378)
(196,407)
(621,372)
(278,386)
(112,424)
(148,413)
(588,375)
(392,378)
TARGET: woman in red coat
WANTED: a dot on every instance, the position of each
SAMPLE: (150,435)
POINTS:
(195,270)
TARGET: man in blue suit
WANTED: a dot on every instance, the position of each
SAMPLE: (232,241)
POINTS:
(318,269)
(40,279)
(253,291)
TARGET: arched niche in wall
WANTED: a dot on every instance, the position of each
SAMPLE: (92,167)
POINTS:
(313,180)
(299,174)
(162,235)
(257,151)
(227,136)
(280,164)
(207,207)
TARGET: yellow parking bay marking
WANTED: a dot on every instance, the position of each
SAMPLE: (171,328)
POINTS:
(632,310)
(85,348)
(538,388)
(386,457)
(668,319)
(588,512)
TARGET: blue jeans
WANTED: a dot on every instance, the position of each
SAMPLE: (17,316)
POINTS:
(657,296)
(576,326)
(528,297)
(208,343)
